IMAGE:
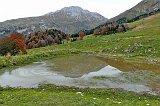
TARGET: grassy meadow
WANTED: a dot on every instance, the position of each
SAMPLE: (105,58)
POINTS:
(50,95)
(140,42)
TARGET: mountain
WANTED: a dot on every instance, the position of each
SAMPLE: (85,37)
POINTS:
(144,7)
(69,19)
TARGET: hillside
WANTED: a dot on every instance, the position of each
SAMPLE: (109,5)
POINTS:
(144,7)
(69,19)
(139,45)
(141,42)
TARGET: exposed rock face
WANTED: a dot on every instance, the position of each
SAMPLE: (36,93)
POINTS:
(145,6)
(69,20)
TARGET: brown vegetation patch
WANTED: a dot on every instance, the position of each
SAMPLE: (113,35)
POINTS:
(141,27)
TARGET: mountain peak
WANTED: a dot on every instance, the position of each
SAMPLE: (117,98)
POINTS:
(78,12)
(68,19)
(73,10)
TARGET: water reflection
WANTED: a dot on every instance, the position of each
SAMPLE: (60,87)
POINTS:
(76,66)
(130,66)
(81,71)
(106,71)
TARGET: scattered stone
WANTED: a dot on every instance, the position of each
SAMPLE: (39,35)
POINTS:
(107,98)
(119,102)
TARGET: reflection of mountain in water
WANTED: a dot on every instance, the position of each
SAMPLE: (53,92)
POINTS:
(106,77)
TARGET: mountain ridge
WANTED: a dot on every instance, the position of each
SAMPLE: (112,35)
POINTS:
(68,19)
(143,7)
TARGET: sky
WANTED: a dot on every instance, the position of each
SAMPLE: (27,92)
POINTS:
(13,9)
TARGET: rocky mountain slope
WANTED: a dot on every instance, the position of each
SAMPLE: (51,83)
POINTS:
(145,6)
(69,19)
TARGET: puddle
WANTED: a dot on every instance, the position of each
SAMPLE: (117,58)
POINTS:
(83,71)
(76,66)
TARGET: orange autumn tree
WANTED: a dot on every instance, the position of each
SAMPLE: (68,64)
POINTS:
(13,44)
(81,35)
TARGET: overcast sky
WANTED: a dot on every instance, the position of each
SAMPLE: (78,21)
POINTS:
(12,9)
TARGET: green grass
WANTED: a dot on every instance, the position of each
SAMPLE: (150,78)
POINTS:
(142,44)
(50,95)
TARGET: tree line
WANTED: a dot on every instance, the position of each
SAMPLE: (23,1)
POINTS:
(118,23)
(16,43)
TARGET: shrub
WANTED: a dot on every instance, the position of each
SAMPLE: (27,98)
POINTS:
(41,39)
(13,44)
(81,35)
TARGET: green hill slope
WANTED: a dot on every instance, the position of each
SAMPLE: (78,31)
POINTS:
(140,42)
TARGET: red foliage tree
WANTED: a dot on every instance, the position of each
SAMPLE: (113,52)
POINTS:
(81,35)
(41,39)
(13,44)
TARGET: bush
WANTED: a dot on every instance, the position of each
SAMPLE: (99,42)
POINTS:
(42,39)
(12,44)
(81,35)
